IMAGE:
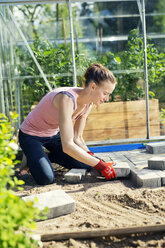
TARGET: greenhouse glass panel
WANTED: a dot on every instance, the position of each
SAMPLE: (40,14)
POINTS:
(155,22)
(111,33)
(37,55)
(46,30)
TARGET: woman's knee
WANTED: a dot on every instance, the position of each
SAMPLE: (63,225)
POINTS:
(45,180)
(42,171)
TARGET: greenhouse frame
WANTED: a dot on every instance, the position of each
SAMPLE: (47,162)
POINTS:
(87,28)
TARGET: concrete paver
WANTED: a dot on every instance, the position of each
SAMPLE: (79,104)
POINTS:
(75,175)
(57,201)
(145,178)
(162,175)
(122,169)
(157,163)
(156,148)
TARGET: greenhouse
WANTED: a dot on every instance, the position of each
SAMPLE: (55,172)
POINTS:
(82,123)
(47,44)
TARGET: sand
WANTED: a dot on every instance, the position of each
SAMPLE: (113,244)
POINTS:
(103,204)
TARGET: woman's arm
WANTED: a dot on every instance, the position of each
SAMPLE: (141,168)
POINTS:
(65,111)
(79,128)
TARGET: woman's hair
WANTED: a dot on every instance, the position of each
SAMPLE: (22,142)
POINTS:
(98,73)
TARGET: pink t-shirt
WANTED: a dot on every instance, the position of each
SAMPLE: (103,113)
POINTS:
(42,121)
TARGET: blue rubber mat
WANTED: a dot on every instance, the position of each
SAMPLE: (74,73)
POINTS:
(115,148)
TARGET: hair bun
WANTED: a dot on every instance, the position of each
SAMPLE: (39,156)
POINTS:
(98,73)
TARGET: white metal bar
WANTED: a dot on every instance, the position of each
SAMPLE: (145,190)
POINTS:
(105,39)
(145,68)
(72,42)
(140,10)
(4,69)
(2,98)
(13,2)
(29,49)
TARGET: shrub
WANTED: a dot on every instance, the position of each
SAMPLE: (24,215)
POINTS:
(17,217)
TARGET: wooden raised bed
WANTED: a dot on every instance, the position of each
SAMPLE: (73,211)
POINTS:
(122,120)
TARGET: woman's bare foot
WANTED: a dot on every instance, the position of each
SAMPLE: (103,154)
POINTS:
(24,171)
(24,167)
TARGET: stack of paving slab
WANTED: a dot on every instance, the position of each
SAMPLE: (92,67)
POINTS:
(154,175)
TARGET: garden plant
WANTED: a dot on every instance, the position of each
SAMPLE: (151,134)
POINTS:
(56,62)
(17,217)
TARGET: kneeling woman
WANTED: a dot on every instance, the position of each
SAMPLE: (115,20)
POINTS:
(50,125)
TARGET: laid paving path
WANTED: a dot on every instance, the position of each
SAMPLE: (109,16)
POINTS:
(146,169)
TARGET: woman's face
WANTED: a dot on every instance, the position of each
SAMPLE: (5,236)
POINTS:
(101,93)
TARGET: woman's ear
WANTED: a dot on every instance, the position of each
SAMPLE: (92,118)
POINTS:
(92,86)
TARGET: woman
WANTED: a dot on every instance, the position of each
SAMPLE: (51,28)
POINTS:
(50,125)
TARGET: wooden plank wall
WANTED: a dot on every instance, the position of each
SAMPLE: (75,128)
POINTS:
(122,120)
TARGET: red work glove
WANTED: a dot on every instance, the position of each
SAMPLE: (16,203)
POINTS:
(91,153)
(106,169)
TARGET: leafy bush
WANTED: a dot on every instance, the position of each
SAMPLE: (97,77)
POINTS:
(162,116)
(131,62)
(128,67)
(16,216)
(53,60)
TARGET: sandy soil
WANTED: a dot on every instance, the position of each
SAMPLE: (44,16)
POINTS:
(103,204)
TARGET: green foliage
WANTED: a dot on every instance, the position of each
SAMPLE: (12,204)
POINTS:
(56,63)
(130,61)
(53,60)
(162,116)
(128,67)
(16,216)
(159,20)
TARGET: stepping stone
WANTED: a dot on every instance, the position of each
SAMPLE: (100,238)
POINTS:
(57,201)
(75,175)
(157,163)
(122,169)
(145,178)
(156,148)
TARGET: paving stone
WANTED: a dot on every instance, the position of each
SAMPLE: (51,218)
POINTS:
(141,166)
(145,178)
(119,159)
(157,163)
(162,175)
(141,163)
(122,169)
(75,175)
(57,201)
(156,148)
(140,157)
(106,159)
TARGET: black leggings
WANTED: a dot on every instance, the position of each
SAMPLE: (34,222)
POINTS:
(40,163)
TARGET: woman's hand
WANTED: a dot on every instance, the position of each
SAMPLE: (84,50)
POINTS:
(106,169)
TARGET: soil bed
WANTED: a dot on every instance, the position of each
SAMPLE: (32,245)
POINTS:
(103,204)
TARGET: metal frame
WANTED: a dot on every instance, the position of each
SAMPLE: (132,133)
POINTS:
(29,49)
(145,68)
(72,43)
(141,7)
(11,2)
